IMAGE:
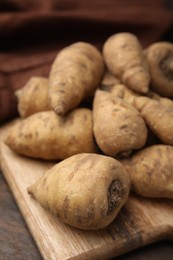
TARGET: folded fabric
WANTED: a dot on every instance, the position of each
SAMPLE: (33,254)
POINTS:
(33,31)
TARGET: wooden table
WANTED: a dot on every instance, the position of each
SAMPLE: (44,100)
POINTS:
(16,241)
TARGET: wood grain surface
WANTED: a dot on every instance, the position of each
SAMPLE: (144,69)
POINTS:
(139,223)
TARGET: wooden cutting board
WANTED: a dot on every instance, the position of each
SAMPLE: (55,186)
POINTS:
(140,222)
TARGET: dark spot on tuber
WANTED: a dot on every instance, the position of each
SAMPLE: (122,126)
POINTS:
(115,193)
(62,91)
(82,65)
(66,204)
(123,126)
(166,65)
(115,110)
(124,45)
(85,117)
(28,136)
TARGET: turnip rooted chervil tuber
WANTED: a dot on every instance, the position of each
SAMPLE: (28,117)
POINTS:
(150,171)
(75,74)
(118,127)
(124,57)
(160,60)
(32,98)
(47,136)
(85,191)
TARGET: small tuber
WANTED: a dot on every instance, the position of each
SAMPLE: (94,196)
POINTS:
(160,60)
(150,171)
(33,97)
(124,58)
(158,116)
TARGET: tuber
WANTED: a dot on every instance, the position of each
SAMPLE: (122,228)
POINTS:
(125,59)
(33,97)
(158,117)
(85,190)
(150,171)
(118,127)
(160,60)
(75,74)
(46,135)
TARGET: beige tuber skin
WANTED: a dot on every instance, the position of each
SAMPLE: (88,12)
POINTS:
(85,191)
(159,56)
(75,74)
(124,58)
(48,136)
(33,97)
(123,92)
(118,127)
(158,117)
(150,171)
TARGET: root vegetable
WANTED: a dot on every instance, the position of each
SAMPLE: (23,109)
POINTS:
(160,60)
(124,58)
(33,97)
(46,135)
(85,191)
(75,74)
(158,117)
(118,127)
(150,171)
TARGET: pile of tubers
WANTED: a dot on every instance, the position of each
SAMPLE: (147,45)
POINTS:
(107,118)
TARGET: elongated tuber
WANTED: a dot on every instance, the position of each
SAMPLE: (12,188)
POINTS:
(75,74)
(124,58)
(33,97)
(85,190)
(158,117)
(46,135)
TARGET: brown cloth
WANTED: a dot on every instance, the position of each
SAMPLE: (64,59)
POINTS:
(33,31)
